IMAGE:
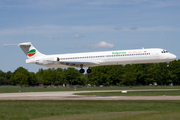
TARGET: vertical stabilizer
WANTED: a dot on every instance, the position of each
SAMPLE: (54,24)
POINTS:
(29,50)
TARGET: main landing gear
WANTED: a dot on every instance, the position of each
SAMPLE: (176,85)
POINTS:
(88,70)
(82,70)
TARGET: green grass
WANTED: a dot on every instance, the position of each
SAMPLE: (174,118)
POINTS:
(89,110)
(134,93)
(14,89)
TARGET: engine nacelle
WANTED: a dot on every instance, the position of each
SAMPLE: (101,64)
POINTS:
(45,61)
(40,61)
(56,59)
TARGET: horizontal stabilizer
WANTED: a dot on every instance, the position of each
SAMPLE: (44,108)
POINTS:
(10,44)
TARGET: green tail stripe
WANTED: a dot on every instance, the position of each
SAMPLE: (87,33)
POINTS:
(32,51)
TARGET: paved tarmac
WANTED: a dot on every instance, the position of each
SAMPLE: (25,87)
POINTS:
(69,95)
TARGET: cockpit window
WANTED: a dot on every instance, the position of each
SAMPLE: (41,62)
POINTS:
(164,51)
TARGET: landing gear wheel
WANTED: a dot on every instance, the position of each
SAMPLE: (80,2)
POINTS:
(88,70)
(167,64)
(81,70)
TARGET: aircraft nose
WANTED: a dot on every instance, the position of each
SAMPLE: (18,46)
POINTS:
(174,57)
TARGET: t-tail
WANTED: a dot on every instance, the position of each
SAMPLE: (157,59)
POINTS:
(29,50)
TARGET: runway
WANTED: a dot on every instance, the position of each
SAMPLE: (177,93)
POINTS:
(69,95)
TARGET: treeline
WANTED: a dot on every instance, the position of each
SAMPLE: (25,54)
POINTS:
(136,74)
(22,76)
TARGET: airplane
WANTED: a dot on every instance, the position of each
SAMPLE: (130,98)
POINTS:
(91,59)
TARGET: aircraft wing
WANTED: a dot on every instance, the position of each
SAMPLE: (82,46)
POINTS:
(77,64)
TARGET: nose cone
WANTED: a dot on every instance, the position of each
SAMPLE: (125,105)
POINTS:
(173,57)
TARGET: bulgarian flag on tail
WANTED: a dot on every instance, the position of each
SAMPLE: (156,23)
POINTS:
(31,53)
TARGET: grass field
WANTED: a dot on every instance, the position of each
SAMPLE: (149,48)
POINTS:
(89,110)
(14,89)
(134,93)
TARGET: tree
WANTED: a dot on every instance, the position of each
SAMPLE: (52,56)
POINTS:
(129,76)
(32,79)
(21,78)
(72,75)
(8,75)
(51,76)
(175,71)
(27,77)
(83,80)
(48,76)
(2,77)
(39,75)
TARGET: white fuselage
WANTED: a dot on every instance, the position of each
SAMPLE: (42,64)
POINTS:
(115,57)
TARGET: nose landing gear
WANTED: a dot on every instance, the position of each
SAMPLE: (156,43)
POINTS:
(167,64)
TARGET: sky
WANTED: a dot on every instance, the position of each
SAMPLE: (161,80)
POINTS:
(74,26)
